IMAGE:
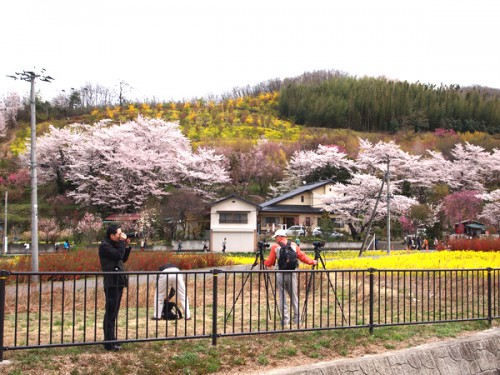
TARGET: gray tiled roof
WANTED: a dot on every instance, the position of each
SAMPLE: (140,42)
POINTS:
(299,190)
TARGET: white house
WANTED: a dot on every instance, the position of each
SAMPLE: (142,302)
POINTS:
(233,220)
(301,206)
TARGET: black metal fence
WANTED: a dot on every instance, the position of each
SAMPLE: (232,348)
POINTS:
(49,309)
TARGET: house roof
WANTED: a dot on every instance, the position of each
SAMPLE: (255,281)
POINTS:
(470,223)
(233,196)
(123,217)
(475,226)
(293,193)
(292,208)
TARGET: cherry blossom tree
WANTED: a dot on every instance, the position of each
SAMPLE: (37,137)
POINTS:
(460,206)
(419,215)
(89,226)
(491,209)
(10,107)
(372,159)
(147,223)
(120,166)
(304,163)
(470,168)
(354,202)
(48,228)
(3,124)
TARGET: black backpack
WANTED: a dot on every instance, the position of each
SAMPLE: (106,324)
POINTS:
(287,259)
(170,311)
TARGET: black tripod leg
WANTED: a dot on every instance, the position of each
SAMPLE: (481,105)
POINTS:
(241,290)
(308,288)
(333,290)
(268,284)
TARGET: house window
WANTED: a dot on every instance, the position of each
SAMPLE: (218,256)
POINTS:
(308,221)
(233,218)
(337,223)
(271,220)
(302,198)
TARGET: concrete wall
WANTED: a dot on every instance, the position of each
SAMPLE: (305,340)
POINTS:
(42,249)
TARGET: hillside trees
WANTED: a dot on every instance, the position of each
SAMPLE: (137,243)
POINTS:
(119,166)
(377,104)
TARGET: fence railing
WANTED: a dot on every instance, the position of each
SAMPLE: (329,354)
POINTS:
(49,309)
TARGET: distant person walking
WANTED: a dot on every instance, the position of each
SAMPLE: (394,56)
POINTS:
(224,245)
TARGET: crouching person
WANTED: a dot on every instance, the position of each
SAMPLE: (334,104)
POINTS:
(171,279)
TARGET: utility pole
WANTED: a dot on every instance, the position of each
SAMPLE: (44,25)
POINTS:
(31,76)
(6,238)
(388,207)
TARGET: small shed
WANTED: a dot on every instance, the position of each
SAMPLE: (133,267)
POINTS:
(470,228)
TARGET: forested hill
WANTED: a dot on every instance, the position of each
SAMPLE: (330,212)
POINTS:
(336,100)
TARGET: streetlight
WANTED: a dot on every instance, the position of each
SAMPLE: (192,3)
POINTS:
(31,76)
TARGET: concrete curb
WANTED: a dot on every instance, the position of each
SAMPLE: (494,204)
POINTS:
(477,354)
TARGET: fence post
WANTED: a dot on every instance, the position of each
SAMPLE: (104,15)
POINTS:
(3,276)
(214,306)
(490,318)
(372,297)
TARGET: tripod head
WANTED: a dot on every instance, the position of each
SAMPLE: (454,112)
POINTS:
(317,252)
(261,245)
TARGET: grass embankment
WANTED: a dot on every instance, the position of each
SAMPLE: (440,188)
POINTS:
(231,355)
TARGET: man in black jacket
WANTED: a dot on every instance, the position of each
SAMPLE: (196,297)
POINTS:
(113,252)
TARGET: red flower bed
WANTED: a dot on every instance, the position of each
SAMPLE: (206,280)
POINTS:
(88,261)
(477,244)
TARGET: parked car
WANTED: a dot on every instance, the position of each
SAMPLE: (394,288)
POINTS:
(317,232)
(296,230)
(336,234)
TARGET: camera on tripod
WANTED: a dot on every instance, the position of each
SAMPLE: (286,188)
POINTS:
(318,244)
(262,245)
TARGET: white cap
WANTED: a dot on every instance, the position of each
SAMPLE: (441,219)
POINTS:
(280,232)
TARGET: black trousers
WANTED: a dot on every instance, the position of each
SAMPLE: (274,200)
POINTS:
(113,298)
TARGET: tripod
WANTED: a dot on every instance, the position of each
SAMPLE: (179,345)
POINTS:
(259,260)
(319,258)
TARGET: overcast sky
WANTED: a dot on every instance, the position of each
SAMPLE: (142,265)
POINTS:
(192,48)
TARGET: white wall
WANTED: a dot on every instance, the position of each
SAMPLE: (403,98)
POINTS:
(239,237)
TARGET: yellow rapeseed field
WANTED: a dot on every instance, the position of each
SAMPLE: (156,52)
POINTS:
(418,260)
(400,259)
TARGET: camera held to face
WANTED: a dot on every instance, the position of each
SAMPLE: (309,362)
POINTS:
(132,235)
